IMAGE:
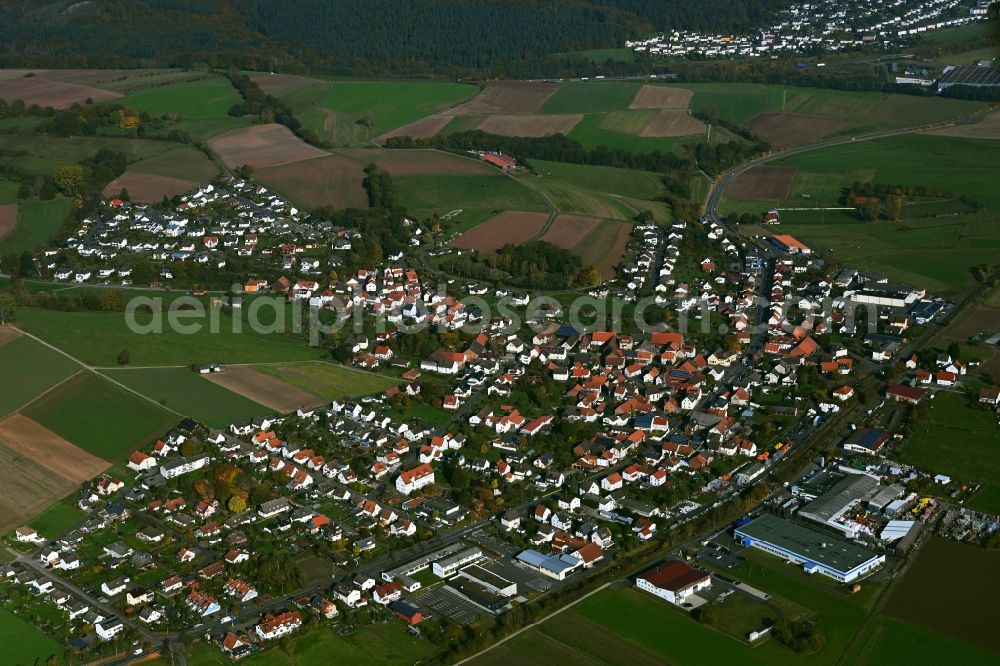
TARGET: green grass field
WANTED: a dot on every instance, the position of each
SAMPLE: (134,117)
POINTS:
(41,154)
(424,195)
(23,643)
(99,417)
(184,163)
(29,368)
(568,198)
(868,111)
(958,439)
(184,391)
(210,98)
(329,381)
(37,222)
(591,133)
(394,104)
(933,252)
(98,338)
(57,519)
(8,192)
(891,641)
(591,97)
(621,182)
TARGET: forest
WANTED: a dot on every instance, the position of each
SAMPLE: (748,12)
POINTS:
(455,37)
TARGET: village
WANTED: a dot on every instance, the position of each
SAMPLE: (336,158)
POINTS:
(823,26)
(553,448)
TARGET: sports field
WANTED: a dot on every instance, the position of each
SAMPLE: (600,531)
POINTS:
(934,252)
(99,417)
(191,394)
(98,338)
(37,222)
(29,368)
(329,381)
(960,439)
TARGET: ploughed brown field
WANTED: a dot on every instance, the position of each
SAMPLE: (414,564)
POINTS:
(986,127)
(782,130)
(567,231)
(261,146)
(8,218)
(46,92)
(264,389)
(37,468)
(147,187)
(673,122)
(604,246)
(662,97)
(515,97)
(514,227)
(279,85)
(532,126)
(420,129)
(763,183)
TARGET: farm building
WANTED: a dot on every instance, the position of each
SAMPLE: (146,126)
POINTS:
(817,552)
(903,393)
(500,161)
(790,244)
(674,581)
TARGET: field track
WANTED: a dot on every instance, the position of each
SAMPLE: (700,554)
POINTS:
(264,389)
(8,218)
(508,227)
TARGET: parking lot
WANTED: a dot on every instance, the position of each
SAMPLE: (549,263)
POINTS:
(442,601)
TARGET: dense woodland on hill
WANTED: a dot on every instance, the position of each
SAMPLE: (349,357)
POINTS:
(447,37)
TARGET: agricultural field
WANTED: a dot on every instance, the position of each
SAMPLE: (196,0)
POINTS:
(606,180)
(45,92)
(34,224)
(958,438)
(393,104)
(891,641)
(37,468)
(531,126)
(934,252)
(203,105)
(591,133)
(190,393)
(23,643)
(603,247)
(571,195)
(99,417)
(329,381)
(29,368)
(424,196)
(178,171)
(508,98)
(763,183)
(8,218)
(337,179)
(281,85)
(261,146)
(986,126)
(941,577)
(264,389)
(98,338)
(591,97)
(514,227)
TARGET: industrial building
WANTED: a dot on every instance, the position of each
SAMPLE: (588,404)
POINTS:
(553,566)
(817,552)
(447,566)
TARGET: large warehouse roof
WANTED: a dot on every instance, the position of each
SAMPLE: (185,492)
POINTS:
(825,549)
